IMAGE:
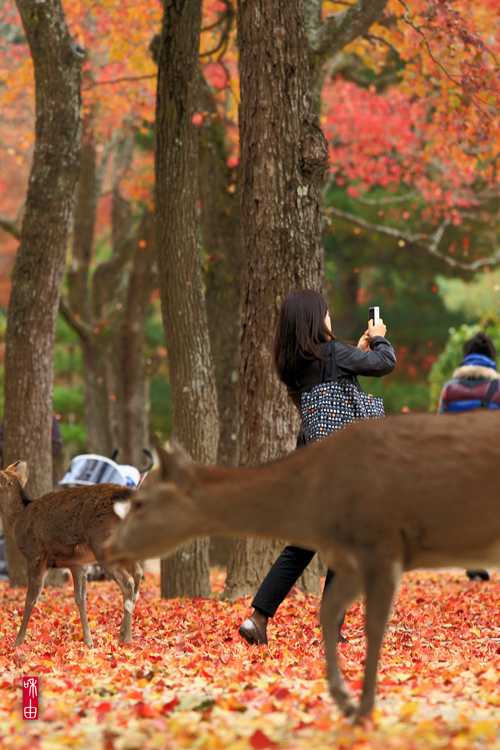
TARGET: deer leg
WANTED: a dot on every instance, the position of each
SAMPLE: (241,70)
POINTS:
(382,579)
(338,595)
(135,571)
(127,584)
(36,576)
(79,573)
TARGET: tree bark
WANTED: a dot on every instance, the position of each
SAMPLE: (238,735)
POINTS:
(223,253)
(223,246)
(328,38)
(133,391)
(194,402)
(284,155)
(39,264)
(79,305)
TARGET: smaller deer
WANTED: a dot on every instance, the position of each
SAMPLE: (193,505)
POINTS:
(66,530)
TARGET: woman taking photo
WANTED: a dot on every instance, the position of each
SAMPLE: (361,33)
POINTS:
(307,353)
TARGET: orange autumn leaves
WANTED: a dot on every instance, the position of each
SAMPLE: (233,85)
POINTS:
(188,680)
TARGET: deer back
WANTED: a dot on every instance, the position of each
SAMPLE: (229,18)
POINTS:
(78,515)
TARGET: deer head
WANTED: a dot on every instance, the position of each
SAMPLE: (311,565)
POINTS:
(15,472)
(164,504)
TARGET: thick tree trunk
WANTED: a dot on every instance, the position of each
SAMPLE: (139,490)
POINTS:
(283,156)
(39,264)
(195,420)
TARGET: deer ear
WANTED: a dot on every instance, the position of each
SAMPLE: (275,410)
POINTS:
(175,464)
(21,469)
(176,450)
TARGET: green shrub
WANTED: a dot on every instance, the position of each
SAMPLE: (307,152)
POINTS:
(398,395)
(68,401)
(161,407)
(74,439)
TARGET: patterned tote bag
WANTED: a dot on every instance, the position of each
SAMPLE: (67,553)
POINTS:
(331,405)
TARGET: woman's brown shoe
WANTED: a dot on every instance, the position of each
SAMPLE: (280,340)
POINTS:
(251,633)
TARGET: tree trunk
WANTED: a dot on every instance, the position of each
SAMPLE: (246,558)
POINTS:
(194,402)
(95,355)
(109,310)
(78,309)
(133,391)
(223,248)
(284,155)
(40,260)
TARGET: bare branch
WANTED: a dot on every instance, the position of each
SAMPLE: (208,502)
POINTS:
(10,226)
(420,241)
(227,13)
(124,79)
(82,328)
(381,40)
(386,201)
(342,28)
(226,18)
(222,43)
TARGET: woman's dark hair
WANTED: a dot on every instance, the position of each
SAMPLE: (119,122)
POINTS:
(300,334)
(480,344)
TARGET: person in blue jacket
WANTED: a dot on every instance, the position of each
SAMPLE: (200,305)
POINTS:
(475,384)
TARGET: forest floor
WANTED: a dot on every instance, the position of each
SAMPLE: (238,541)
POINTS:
(189,681)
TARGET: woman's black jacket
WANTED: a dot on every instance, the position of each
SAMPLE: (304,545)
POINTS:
(350,362)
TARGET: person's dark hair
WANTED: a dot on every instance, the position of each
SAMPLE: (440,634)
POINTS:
(480,344)
(300,334)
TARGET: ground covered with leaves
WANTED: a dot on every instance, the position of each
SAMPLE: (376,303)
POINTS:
(189,681)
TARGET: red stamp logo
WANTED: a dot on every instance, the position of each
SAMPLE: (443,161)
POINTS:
(30,697)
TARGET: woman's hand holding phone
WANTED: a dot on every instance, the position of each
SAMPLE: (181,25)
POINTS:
(364,342)
(376,330)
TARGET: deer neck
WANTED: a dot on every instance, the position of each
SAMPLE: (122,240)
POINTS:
(12,507)
(255,501)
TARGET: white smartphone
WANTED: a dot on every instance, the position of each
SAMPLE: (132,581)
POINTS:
(374,314)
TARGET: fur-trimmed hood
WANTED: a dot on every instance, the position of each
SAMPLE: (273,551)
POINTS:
(475,372)
(477,367)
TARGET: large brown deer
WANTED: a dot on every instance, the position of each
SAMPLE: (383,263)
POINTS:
(66,529)
(378,498)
